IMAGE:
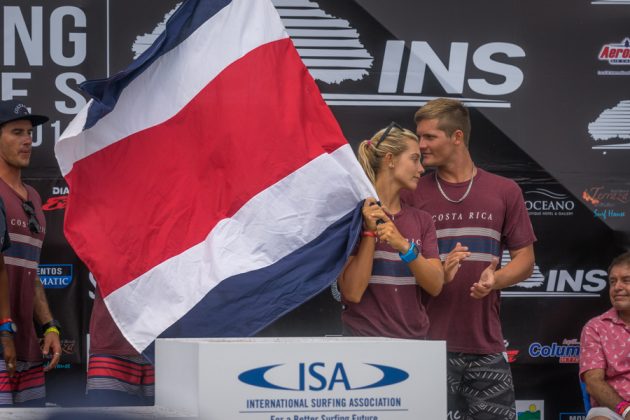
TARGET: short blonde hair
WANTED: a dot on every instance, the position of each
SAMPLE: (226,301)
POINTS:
(451,114)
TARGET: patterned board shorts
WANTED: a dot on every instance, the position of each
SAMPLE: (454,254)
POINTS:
(26,387)
(120,380)
(480,387)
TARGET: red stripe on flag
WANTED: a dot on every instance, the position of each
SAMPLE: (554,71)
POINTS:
(159,192)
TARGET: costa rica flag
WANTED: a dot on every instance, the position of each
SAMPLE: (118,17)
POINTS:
(211,189)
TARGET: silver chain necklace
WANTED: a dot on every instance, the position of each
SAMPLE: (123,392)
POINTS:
(472,177)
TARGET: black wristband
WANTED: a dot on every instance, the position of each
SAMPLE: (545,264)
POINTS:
(53,323)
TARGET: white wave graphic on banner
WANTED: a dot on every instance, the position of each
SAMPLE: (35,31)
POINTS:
(535,280)
(613,123)
(547,193)
(143,42)
(329,46)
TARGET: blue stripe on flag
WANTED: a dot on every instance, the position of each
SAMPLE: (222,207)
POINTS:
(185,21)
(244,304)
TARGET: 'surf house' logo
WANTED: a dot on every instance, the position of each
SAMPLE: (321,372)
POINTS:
(616,54)
(543,202)
(319,376)
(611,130)
(605,200)
(558,283)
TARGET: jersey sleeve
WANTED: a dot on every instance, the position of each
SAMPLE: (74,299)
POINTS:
(517,230)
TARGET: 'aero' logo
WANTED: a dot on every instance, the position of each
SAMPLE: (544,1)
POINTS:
(319,377)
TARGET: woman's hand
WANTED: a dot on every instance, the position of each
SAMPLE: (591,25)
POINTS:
(372,212)
(388,232)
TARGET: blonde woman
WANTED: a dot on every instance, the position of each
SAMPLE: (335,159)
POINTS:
(397,259)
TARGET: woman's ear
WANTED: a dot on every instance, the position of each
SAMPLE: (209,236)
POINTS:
(389,160)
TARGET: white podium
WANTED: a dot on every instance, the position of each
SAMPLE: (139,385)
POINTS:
(347,378)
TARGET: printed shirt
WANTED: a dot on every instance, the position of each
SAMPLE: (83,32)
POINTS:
(490,219)
(391,306)
(605,344)
(21,260)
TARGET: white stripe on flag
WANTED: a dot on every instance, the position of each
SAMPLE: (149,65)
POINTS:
(236,30)
(149,304)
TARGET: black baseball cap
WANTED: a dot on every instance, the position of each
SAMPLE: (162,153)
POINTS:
(13,110)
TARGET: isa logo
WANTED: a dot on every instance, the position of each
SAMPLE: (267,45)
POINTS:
(320,376)
(530,409)
(55,276)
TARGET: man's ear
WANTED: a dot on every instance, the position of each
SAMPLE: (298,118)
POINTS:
(458,136)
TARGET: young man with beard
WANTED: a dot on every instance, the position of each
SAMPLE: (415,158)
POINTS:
(477,215)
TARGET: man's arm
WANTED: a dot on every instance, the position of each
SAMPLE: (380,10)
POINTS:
(599,389)
(6,338)
(44,316)
(517,270)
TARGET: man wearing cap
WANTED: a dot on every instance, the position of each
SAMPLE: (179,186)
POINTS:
(27,227)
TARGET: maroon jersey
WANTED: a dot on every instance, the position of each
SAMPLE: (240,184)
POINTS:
(21,260)
(105,337)
(391,305)
(491,218)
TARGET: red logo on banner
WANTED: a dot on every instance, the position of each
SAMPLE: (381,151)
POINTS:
(616,54)
(55,203)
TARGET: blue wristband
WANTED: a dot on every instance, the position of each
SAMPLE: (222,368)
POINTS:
(8,326)
(410,255)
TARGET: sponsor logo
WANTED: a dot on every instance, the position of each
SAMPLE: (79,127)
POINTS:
(67,347)
(55,276)
(605,199)
(319,376)
(611,129)
(543,202)
(510,354)
(558,283)
(616,54)
(58,199)
(530,409)
(331,49)
(567,352)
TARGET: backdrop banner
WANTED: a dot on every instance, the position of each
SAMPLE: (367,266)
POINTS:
(550,107)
